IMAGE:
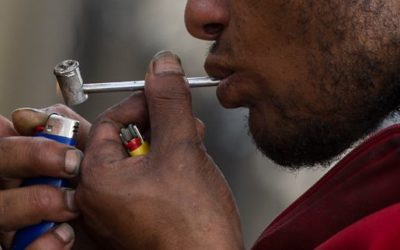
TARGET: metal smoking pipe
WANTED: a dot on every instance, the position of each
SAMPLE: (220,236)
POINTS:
(75,92)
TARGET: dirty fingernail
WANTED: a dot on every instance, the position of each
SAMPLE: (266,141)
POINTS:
(73,159)
(70,200)
(65,233)
(167,62)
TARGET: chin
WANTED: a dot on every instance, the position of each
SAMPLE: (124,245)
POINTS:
(297,144)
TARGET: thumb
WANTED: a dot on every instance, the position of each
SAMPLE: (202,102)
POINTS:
(26,119)
(169,102)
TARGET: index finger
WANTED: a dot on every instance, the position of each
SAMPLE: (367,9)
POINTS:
(169,102)
(104,140)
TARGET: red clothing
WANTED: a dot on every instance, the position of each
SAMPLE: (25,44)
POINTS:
(355,206)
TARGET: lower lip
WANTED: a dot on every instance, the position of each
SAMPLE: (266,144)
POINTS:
(224,82)
(225,90)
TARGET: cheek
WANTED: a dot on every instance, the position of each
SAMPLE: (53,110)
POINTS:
(280,113)
(274,40)
(268,39)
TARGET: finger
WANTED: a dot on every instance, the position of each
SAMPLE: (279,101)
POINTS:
(105,143)
(23,157)
(6,239)
(200,128)
(62,237)
(25,206)
(132,109)
(26,119)
(7,183)
(6,127)
(169,102)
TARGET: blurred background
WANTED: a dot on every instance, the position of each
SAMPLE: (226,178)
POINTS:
(113,41)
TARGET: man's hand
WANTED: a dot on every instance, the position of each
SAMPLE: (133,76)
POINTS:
(174,197)
(27,157)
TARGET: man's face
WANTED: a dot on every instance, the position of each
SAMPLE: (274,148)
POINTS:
(315,75)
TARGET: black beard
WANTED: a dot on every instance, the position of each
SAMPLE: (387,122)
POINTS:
(319,139)
(358,85)
(357,82)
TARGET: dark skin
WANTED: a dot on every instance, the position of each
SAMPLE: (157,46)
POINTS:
(146,191)
(25,206)
(316,76)
(21,159)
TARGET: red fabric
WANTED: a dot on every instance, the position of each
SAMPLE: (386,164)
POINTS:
(378,231)
(350,207)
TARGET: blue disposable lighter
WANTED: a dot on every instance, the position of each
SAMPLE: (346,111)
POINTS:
(63,130)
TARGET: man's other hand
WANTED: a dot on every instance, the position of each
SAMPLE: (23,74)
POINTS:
(23,156)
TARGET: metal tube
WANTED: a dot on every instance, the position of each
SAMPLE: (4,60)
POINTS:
(139,85)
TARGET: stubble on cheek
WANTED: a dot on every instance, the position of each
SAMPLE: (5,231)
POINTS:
(355,77)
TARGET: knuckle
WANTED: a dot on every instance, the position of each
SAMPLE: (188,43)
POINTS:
(103,123)
(4,145)
(103,118)
(59,108)
(175,93)
(176,89)
(37,148)
(42,198)
(186,146)
(41,152)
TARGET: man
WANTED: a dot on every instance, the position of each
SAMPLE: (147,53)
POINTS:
(315,76)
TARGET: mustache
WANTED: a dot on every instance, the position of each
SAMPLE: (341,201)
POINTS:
(214,47)
(221,47)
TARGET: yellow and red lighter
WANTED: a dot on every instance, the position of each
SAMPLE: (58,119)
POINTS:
(133,141)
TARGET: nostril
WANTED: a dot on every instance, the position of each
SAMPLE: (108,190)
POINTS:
(213,28)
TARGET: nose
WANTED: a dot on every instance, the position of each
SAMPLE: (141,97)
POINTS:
(206,19)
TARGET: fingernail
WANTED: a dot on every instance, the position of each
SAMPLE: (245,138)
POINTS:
(73,159)
(70,200)
(65,232)
(166,62)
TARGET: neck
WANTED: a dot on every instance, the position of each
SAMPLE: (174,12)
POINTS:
(391,119)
